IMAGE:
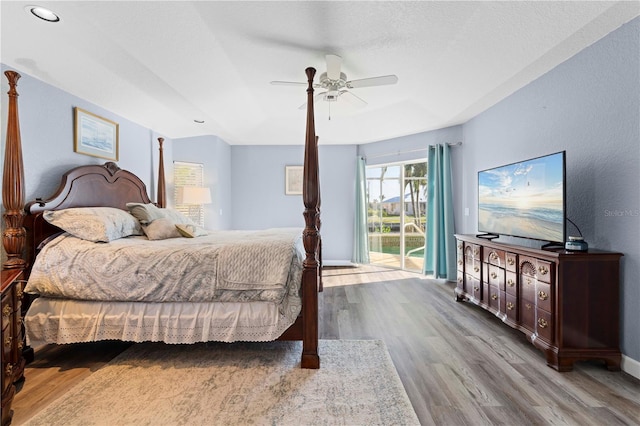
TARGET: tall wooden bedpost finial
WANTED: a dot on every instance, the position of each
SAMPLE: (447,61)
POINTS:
(14,235)
(162,193)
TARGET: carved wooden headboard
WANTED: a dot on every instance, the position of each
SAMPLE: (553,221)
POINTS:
(86,186)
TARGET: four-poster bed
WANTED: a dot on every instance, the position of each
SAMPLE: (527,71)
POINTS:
(29,233)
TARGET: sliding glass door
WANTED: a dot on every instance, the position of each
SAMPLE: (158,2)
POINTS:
(397,203)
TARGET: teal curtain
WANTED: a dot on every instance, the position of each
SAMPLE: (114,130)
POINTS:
(361,228)
(439,254)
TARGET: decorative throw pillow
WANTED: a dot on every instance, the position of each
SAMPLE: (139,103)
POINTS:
(145,213)
(97,224)
(161,229)
(190,231)
(176,216)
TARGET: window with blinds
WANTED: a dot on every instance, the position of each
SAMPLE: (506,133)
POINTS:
(188,174)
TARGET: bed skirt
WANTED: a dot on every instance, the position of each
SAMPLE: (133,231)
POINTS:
(70,321)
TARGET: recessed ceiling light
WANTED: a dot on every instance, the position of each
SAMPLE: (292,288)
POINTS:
(42,13)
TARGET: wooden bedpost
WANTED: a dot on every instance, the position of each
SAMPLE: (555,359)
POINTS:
(319,225)
(14,235)
(311,198)
(162,192)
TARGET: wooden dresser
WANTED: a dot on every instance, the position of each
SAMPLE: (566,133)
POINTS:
(566,303)
(12,338)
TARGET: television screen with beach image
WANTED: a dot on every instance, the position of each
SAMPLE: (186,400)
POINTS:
(525,199)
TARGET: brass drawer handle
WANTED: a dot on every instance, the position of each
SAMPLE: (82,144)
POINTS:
(527,305)
(6,311)
(476,251)
(460,280)
(494,296)
(460,262)
(459,246)
(511,261)
(476,269)
(494,275)
(493,255)
(7,340)
(542,323)
(528,281)
(543,270)
(542,295)
(511,282)
(20,345)
(510,306)
(476,288)
(8,370)
(19,292)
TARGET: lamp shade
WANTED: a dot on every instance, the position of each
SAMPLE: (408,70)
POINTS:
(193,195)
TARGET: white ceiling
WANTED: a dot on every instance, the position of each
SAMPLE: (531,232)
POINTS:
(163,64)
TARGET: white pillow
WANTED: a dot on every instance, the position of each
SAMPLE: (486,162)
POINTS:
(145,213)
(176,216)
(97,224)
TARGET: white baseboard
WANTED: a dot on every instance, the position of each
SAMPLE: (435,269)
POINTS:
(630,366)
(344,263)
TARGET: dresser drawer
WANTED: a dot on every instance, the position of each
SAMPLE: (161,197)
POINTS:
(460,281)
(6,309)
(511,283)
(495,276)
(544,325)
(493,257)
(527,287)
(511,261)
(511,307)
(7,344)
(544,271)
(473,287)
(543,296)
(472,267)
(527,314)
(494,297)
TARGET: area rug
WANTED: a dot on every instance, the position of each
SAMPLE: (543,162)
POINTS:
(238,384)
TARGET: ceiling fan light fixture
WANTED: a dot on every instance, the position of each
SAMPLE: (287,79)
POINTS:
(43,13)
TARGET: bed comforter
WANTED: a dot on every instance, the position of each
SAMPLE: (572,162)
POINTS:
(224,266)
(227,286)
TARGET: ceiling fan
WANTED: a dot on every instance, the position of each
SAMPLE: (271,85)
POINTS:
(336,86)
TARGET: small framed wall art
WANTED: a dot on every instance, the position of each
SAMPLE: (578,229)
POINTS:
(95,135)
(293,180)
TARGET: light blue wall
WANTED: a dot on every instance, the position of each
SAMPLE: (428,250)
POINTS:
(46,124)
(410,147)
(590,107)
(259,200)
(215,154)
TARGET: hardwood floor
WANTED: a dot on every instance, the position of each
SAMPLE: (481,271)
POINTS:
(459,364)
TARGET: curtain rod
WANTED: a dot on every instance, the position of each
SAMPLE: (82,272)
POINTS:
(409,151)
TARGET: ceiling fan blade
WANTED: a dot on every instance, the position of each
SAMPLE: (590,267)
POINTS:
(373,81)
(334,63)
(316,98)
(352,99)
(287,83)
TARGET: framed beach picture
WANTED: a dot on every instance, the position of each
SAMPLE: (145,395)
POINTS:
(293,180)
(95,135)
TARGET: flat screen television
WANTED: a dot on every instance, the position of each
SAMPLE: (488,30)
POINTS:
(524,199)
